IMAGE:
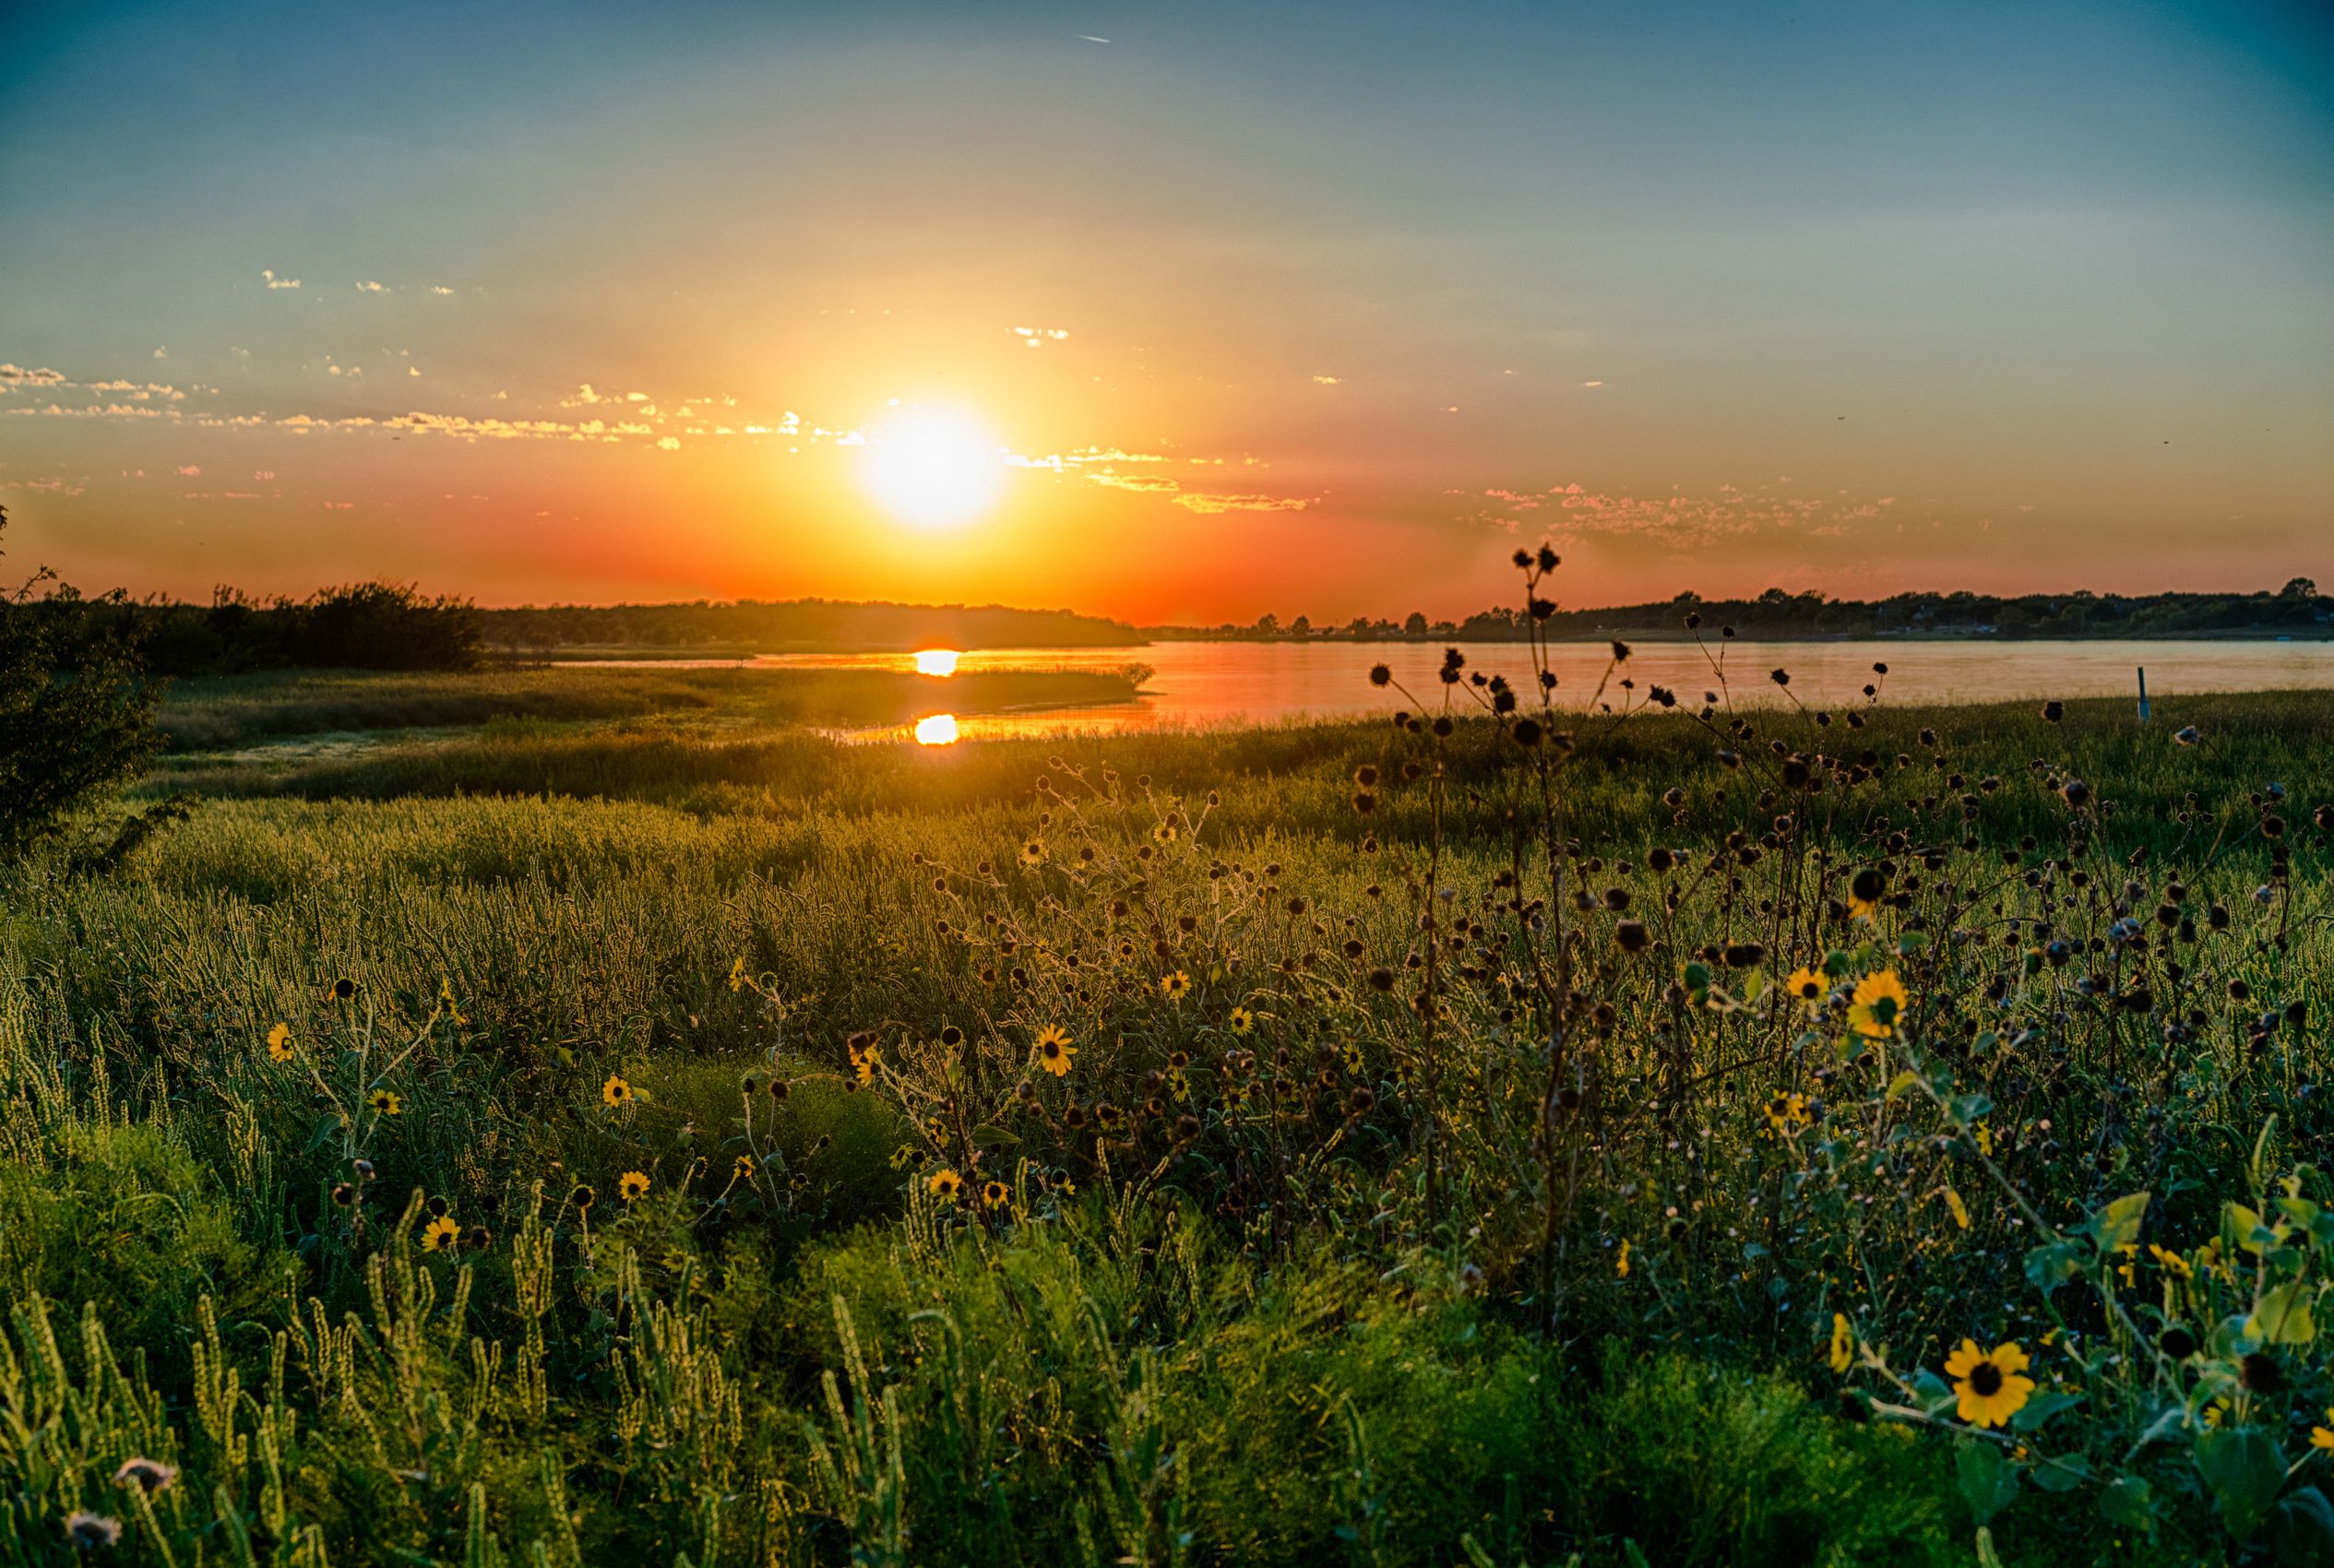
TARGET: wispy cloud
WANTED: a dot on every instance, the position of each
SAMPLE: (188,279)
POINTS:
(1038,337)
(14,375)
(1328,380)
(368,285)
(269,275)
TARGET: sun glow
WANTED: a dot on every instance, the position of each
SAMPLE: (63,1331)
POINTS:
(936,661)
(940,729)
(932,467)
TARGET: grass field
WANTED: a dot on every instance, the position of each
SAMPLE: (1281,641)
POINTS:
(622,1126)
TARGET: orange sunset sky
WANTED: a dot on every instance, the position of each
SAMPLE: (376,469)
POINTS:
(1167,312)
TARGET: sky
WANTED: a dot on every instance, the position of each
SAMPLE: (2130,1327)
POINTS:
(1167,309)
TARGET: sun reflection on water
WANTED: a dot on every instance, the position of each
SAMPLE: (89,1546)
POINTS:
(936,661)
(940,729)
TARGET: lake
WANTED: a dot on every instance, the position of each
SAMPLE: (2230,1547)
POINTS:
(1200,685)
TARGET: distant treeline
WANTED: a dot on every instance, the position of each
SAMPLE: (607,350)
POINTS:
(2297,608)
(365,627)
(758,625)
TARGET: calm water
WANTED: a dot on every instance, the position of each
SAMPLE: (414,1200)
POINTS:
(1202,684)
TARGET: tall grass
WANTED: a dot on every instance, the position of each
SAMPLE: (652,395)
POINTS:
(1344,1236)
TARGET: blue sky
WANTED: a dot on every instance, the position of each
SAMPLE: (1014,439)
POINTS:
(1846,296)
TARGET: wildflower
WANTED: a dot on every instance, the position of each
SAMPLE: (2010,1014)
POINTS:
(1786,1113)
(1879,1002)
(478,1237)
(385,1102)
(582,1198)
(616,1093)
(1844,1343)
(2171,1262)
(1960,1210)
(279,1044)
(743,1167)
(1056,1050)
(344,989)
(1990,1383)
(994,1194)
(1985,1136)
(1175,987)
(2261,1372)
(89,1531)
(737,975)
(1033,852)
(2177,1343)
(343,1195)
(2129,1270)
(440,1234)
(1240,1021)
(2322,1438)
(632,1186)
(446,1007)
(945,1184)
(863,1059)
(1164,833)
(1806,985)
(147,1475)
(1621,1264)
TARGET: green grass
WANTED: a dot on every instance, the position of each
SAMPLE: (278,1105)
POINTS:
(1385,1323)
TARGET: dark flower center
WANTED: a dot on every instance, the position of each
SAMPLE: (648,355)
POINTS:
(1985,1379)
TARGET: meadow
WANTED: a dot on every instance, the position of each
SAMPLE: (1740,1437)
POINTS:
(622,1125)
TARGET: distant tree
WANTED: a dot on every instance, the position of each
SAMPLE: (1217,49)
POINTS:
(76,710)
(1415,625)
(2299,587)
(1267,625)
(1302,626)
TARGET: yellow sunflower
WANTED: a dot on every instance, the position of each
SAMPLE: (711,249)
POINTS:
(441,1234)
(1240,1021)
(1175,987)
(1786,1113)
(945,1184)
(2171,1262)
(744,1168)
(1054,1050)
(616,1092)
(1806,986)
(1033,852)
(1878,1004)
(1991,1385)
(2323,1437)
(632,1186)
(995,1195)
(1844,1343)
(279,1044)
(385,1102)
(1163,834)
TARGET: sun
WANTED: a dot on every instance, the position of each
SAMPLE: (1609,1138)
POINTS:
(932,467)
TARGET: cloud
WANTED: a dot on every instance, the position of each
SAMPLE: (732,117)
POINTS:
(1209,506)
(1038,337)
(263,474)
(1592,384)
(163,353)
(440,289)
(668,445)
(1328,380)
(268,274)
(188,471)
(18,375)
(1679,521)
(368,285)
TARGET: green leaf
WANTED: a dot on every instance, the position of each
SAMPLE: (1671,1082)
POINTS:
(1754,983)
(2245,1472)
(2040,1408)
(2125,1500)
(1971,1107)
(1902,1082)
(1697,976)
(2238,1225)
(2063,1474)
(2282,1315)
(2118,1225)
(2301,1528)
(994,1137)
(2053,1265)
(1911,942)
(1989,1482)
